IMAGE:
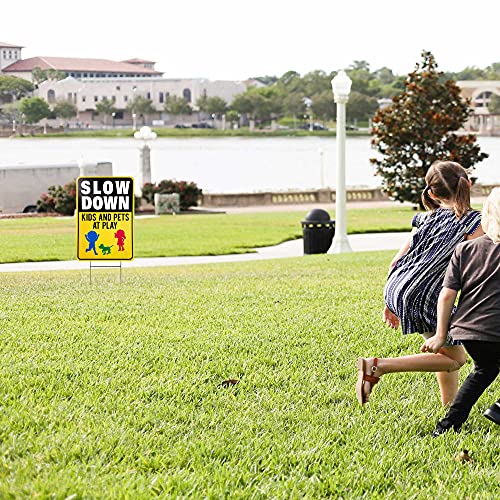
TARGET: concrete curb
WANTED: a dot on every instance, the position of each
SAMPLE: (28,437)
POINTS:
(294,248)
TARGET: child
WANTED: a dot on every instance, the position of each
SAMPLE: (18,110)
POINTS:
(475,270)
(415,278)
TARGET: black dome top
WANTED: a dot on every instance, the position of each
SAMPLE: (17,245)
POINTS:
(318,215)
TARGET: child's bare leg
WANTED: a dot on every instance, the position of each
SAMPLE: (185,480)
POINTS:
(448,381)
(426,362)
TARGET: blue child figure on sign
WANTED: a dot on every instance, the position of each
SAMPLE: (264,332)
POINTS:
(92,238)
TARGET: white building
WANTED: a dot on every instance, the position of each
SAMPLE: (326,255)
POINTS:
(90,81)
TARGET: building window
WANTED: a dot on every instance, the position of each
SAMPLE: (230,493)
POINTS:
(83,98)
(483,99)
(51,96)
(186,93)
(148,95)
(167,94)
(160,97)
(96,98)
(113,98)
(85,75)
(117,87)
(125,98)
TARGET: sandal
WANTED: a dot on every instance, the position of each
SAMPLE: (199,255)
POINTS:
(362,395)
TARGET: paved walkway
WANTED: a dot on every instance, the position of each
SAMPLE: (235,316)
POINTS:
(295,248)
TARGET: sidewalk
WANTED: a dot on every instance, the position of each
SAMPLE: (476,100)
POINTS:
(294,248)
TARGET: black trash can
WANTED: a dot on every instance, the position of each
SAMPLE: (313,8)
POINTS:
(318,231)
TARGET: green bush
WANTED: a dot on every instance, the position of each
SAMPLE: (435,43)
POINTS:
(60,199)
(188,192)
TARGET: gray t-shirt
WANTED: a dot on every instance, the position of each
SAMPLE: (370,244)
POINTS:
(475,270)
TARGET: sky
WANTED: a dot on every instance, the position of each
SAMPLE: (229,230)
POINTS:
(236,40)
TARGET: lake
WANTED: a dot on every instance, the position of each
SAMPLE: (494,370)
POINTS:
(229,165)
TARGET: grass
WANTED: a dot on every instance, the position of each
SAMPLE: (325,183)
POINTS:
(114,391)
(201,234)
(195,132)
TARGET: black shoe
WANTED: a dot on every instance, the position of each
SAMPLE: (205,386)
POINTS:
(442,428)
(493,413)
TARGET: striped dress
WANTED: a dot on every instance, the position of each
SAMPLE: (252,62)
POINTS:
(414,283)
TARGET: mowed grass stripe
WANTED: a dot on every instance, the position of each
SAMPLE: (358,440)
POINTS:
(43,239)
(114,390)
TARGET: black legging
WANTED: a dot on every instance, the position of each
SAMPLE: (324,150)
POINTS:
(486,357)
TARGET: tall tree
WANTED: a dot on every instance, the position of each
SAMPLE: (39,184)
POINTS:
(361,107)
(13,88)
(40,75)
(420,128)
(293,105)
(106,108)
(323,105)
(65,109)
(34,109)
(176,105)
(216,105)
(141,106)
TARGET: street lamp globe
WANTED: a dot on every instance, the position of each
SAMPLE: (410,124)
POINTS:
(341,85)
(146,134)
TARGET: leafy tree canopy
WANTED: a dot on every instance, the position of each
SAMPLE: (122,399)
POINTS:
(65,109)
(34,109)
(418,129)
(212,105)
(40,75)
(105,107)
(176,105)
(141,106)
(12,87)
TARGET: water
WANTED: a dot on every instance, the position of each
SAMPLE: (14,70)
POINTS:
(229,165)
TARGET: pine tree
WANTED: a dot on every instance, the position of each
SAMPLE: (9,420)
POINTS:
(419,128)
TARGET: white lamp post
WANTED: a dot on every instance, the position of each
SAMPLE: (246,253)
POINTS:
(321,167)
(308,102)
(134,122)
(341,86)
(146,135)
(87,168)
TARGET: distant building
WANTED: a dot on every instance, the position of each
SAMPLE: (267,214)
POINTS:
(90,81)
(479,93)
(9,54)
(85,94)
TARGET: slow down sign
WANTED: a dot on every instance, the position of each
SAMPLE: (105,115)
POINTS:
(105,211)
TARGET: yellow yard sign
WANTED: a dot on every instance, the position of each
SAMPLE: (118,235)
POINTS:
(105,218)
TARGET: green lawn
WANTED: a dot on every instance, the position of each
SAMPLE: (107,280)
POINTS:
(197,132)
(213,234)
(114,391)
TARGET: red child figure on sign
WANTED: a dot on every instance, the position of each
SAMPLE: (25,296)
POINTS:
(120,237)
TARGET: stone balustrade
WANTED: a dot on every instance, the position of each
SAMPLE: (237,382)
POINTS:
(308,196)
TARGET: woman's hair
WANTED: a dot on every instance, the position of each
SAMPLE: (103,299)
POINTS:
(490,219)
(448,181)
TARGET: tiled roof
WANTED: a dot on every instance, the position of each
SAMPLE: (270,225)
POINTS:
(77,64)
(139,61)
(10,46)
